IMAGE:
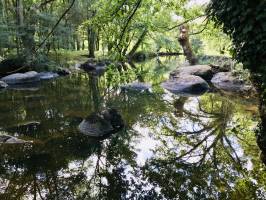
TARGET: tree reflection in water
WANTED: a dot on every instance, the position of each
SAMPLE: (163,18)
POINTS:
(172,147)
(207,160)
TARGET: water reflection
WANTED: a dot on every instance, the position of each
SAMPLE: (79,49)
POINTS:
(171,147)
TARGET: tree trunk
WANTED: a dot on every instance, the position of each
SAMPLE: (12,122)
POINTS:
(26,33)
(78,42)
(91,42)
(20,16)
(83,44)
(184,42)
(20,22)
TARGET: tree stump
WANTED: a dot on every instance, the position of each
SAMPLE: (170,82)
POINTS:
(184,42)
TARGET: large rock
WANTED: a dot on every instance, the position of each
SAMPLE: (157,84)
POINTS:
(204,71)
(21,78)
(186,85)
(228,82)
(101,124)
(137,86)
(3,85)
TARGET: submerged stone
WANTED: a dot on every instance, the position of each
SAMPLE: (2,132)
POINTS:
(137,86)
(187,84)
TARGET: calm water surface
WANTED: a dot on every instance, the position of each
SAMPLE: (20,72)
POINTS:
(172,147)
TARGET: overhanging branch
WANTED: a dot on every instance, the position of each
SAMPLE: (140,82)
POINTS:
(54,27)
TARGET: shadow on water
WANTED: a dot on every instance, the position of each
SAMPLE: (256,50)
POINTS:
(171,147)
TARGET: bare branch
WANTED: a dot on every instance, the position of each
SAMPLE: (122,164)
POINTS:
(205,26)
(128,21)
(184,22)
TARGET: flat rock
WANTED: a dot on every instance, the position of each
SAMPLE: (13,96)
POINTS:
(228,82)
(204,71)
(21,78)
(7,139)
(186,85)
(137,86)
(3,85)
(47,75)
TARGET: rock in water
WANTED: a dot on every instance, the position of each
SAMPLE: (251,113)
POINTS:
(21,78)
(94,68)
(186,85)
(63,72)
(137,86)
(47,75)
(7,139)
(228,82)
(100,124)
(204,71)
(3,85)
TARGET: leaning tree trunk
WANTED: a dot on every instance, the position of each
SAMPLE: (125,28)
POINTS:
(138,43)
(184,42)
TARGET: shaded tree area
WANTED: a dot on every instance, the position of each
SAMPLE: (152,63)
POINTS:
(245,22)
(35,30)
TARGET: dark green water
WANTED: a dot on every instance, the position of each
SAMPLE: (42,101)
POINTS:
(171,148)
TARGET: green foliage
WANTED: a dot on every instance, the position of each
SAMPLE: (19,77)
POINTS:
(197,45)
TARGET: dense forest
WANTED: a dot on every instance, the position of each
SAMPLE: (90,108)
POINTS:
(35,30)
(132,99)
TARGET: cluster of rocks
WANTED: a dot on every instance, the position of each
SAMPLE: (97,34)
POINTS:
(31,77)
(190,80)
(196,80)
